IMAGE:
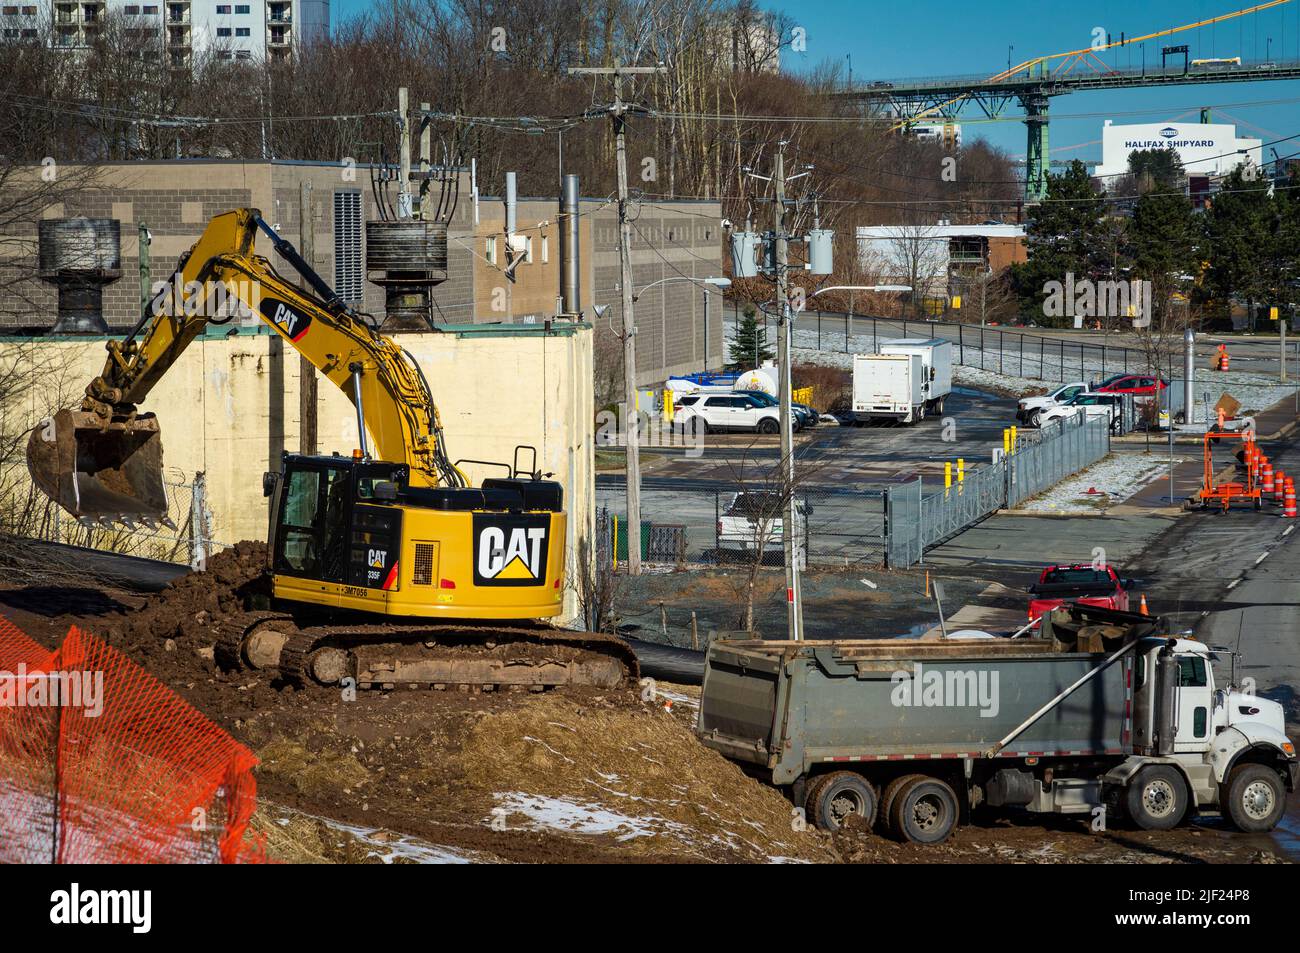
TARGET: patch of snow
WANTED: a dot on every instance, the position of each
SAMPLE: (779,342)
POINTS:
(570,816)
(1115,479)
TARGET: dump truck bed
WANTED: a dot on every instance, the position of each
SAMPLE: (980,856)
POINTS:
(785,706)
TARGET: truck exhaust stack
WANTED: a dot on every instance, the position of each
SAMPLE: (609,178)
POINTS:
(100,472)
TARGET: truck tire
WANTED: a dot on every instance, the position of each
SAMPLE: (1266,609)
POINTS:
(924,811)
(1035,418)
(1255,798)
(768,425)
(890,793)
(834,797)
(1156,798)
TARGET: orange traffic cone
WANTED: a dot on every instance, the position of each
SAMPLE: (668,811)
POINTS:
(1288,501)
(1267,480)
(1142,606)
(1279,486)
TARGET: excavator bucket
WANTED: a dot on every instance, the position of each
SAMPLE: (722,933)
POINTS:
(100,473)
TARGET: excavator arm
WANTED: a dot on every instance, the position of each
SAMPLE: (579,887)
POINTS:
(104,461)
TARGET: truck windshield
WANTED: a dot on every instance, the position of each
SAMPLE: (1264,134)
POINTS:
(759,505)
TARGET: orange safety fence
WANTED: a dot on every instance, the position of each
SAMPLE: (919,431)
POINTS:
(102,763)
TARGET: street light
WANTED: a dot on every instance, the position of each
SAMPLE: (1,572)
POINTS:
(711,281)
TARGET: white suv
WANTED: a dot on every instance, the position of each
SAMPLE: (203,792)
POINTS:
(1109,406)
(726,412)
(1028,409)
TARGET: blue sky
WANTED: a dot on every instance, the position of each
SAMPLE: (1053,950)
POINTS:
(903,39)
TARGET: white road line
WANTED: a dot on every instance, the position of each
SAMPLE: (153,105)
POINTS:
(1262,557)
(1234,582)
(1289,530)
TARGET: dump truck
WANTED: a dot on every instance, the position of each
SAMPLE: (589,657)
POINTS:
(1100,713)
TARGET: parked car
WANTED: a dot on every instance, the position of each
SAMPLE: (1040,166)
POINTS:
(1085,584)
(1089,404)
(732,411)
(1028,409)
(804,415)
(740,527)
(1139,385)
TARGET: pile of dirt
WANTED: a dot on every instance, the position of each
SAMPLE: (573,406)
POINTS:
(173,631)
(574,774)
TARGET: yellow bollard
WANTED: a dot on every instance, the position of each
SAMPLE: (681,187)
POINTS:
(1013,439)
(614,557)
(947,479)
(961,473)
(1006,441)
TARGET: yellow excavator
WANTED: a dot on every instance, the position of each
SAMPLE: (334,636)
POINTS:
(387,567)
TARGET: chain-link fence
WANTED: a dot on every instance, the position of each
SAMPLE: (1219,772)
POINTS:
(920,518)
(184,537)
(1009,352)
(715,525)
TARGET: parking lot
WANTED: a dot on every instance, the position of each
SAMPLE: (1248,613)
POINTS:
(845,473)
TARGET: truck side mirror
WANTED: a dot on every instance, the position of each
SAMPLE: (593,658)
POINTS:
(269,480)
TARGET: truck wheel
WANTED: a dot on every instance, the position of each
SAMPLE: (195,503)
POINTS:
(1035,419)
(768,425)
(924,811)
(837,796)
(1255,798)
(1156,798)
(890,793)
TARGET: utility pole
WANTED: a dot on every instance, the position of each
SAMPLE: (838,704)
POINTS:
(307,423)
(793,597)
(632,452)
(404,157)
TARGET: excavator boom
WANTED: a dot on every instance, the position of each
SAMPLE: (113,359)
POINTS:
(103,461)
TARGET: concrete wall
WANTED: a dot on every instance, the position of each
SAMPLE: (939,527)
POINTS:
(229,407)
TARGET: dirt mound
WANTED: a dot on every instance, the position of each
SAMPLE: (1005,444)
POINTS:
(178,622)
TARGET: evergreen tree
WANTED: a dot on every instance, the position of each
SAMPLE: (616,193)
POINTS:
(1061,238)
(1237,234)
(1164,244)
(748,348)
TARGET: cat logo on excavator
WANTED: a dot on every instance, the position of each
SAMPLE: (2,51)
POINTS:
(510,550)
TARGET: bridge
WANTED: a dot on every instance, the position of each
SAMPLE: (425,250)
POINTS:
(1030,89)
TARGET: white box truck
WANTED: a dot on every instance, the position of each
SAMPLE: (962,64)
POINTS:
(888,387)
(936,366)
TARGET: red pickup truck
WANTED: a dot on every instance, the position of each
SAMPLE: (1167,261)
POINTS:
(1085,584)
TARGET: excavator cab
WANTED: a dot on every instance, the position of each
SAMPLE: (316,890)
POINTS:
(355,534)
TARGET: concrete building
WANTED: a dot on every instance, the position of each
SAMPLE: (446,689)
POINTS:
(176,198)
(183,29)
(929,256)
(1212,149)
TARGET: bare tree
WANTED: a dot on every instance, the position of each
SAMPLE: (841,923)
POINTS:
(756,513)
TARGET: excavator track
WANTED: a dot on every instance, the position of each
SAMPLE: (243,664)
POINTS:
(232,633)
(437,656)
